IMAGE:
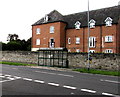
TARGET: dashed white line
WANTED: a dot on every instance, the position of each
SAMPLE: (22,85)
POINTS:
(69,87)
(86,90)
(17,77)
(110,81)
(66,75)
(2,76)
(54,84)
(10,78)
(38,81)
(28,79)
(8,75)
(107,94)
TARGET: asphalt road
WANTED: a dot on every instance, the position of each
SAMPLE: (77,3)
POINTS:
(20,80)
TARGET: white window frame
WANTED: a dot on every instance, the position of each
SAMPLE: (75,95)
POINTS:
(77,50)
(77,40)
(108,21)
(37,41)
(77,25)
(52,29)
(92,23)
(46,18)
(108,51)
(92,51)
(92,42)
(69,40)
(109,38)
(38,31)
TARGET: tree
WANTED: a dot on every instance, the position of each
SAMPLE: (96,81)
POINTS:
(13,46)
(29,44)
(12,37)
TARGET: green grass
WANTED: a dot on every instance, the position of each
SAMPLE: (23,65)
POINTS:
(18,64)
(82,70)
(94,71)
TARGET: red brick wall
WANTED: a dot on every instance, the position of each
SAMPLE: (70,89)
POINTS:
(109,31)
(99,32)
(73,33)
(61,37)
(45,35)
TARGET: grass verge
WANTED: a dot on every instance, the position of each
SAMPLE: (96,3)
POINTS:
(94,71)
(18,64)
(82,70)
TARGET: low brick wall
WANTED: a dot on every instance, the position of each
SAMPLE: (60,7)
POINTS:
(99,61)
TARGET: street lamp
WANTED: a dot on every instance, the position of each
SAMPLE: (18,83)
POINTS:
(88,37)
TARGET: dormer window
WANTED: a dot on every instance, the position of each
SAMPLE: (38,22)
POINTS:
(108,21)
(77,25)
(46,18)
(92,23)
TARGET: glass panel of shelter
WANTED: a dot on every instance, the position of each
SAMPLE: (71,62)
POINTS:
(53,58)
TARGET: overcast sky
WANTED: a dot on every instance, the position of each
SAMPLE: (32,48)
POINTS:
(17,16)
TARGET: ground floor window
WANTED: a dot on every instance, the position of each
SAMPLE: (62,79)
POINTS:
(108,51)
(77,50)
(92,51)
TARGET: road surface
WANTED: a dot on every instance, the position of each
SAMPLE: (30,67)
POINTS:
(21,80)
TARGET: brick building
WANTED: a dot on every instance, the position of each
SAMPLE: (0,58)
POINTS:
(71,31)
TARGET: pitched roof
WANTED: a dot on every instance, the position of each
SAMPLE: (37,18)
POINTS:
(98,15)
(53,17)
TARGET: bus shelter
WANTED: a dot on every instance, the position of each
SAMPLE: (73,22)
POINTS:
(54,57)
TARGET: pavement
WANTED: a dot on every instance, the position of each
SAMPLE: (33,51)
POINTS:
(21,80)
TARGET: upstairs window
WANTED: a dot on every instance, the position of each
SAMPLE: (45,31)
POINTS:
(52,29)
(108,38)
(108,21)
(69,41)
(77,25)
(92,23)
(108,51)
(77,40)
(37,41)
(38,31)
(92,42)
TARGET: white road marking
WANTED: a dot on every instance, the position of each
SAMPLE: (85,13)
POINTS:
(69,87)
(17,77)
(110,81)
(28,79)
(55,74)
(10,78)
(66,75)
(72,93)
(38,81)
(86,90)
(107,94)
(54,84)
(5,81)
(2,76)
(8,75)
